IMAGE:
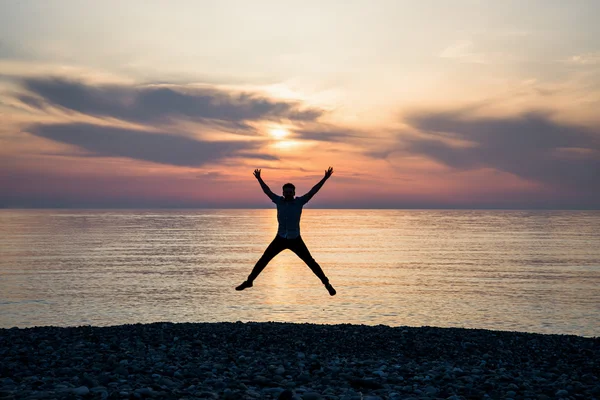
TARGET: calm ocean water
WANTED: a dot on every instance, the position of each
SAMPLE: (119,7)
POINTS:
(533,271)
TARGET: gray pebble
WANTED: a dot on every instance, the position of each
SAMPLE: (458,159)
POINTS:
(311,396)
(81,391)
(276,360)
(287,394)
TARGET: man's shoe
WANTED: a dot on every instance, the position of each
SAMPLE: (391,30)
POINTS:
(244,285)
(330,289)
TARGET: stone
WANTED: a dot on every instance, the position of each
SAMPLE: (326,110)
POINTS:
(273,391)
(164,381)
(287,394)
(431,390)
(311,396)
(81,391)
(144,391)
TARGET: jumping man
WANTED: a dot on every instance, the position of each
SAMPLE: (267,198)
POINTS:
(289,210)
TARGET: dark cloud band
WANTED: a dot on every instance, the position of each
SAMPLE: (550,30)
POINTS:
(160,147)
(531,146)
(151,104)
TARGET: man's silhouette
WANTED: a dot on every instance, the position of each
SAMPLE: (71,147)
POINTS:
(289,210)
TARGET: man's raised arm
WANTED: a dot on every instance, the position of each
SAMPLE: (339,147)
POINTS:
(264,186)
(318,186)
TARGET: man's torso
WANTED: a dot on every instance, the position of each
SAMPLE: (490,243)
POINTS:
(288,217)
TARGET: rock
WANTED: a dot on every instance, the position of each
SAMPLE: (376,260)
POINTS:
(219,384)
(164,381)
(273,391)
(207,395)
(81,391)
(144,391)
(99,391)
(431,391)
(254,361)
(287,394)
(365,383)
(88,381)
(311,396)
(229,394)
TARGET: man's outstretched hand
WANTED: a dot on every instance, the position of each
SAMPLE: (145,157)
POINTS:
(257,173)
(328,173)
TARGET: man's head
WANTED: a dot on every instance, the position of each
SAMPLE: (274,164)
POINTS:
(289,191)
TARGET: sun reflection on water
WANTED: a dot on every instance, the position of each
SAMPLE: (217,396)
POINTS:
(530,271)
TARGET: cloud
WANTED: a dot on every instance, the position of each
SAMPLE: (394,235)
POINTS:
(326,135)
(462,51)
(531,146)
(31,101)
(156,104)
(166,118)
(585,59)
(213,175)
(163,148)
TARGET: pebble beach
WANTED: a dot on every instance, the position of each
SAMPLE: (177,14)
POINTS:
(270,360)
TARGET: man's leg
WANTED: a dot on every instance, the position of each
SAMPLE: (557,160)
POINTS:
(277,246)
(299,247)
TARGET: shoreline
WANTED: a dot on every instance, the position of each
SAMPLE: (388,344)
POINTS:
(262,360)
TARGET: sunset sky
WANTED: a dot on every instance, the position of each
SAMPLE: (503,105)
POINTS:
(415,104)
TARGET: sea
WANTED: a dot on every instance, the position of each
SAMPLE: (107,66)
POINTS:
(528,271)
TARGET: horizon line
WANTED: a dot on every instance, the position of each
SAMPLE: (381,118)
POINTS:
(308,208)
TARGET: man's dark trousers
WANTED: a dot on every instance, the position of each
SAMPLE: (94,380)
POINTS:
(297,246)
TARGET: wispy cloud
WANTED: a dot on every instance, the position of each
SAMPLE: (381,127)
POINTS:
(462,51)
(158,123)
(328,134)
(161,147)
(585,59)
(151,104)
(531,146)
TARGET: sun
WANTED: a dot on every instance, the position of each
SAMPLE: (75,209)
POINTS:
(279,133)
(283,139)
